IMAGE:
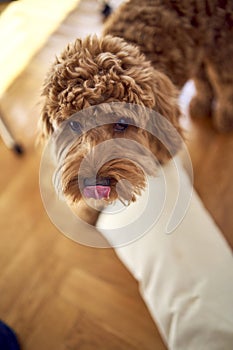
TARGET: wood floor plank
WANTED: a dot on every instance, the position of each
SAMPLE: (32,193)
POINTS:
(103,300)
(78,338)
(52,324)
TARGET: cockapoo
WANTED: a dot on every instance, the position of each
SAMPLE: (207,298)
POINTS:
(146,54)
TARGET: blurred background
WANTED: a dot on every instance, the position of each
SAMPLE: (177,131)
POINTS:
(55,293)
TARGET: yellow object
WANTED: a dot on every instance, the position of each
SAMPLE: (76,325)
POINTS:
(25,26)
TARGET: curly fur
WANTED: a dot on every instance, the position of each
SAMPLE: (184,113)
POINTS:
(146,51)
(121,160)
(117,169)
(93,71)
(186,39)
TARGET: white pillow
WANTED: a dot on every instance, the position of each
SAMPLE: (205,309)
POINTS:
(185,277)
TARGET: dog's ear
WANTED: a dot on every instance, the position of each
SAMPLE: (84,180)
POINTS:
(45,127)
(166,135)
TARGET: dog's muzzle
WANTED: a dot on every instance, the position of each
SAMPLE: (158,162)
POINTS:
(97,188)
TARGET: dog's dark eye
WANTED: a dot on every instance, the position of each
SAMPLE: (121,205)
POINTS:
(121,125)
(75,126)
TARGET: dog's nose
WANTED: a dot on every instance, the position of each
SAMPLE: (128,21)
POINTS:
(94,181)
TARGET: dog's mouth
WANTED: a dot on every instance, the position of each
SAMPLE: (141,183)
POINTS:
(97,188)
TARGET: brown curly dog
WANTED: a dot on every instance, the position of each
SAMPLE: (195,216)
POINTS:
(146,50)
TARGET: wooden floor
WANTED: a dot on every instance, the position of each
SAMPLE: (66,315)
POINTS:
(212,159)
(59,295)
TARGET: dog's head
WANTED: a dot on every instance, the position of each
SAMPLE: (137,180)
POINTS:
(116,140)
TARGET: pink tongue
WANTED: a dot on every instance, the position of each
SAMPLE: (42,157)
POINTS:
(97,192)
